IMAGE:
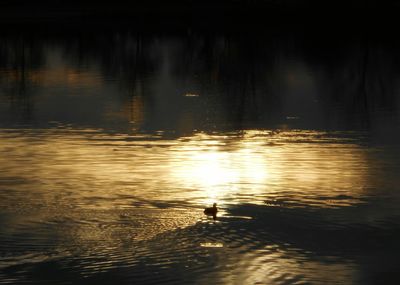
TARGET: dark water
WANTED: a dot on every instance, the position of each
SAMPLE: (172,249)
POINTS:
(112,144)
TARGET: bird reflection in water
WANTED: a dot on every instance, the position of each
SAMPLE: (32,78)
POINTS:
(212,211)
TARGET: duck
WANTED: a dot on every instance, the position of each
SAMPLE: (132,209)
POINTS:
(212,211)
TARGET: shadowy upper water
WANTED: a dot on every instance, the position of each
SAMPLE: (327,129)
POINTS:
(194,81)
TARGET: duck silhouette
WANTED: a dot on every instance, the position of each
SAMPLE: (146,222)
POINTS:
(212,211)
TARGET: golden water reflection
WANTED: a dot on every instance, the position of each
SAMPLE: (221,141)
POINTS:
(90,169)
(258,166)
(122,198)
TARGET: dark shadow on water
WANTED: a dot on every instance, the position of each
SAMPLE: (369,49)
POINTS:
(190,81)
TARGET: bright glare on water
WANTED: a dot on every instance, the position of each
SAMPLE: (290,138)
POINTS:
(293,205)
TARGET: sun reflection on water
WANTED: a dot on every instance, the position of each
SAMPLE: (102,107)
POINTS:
(119,170)
(296,168)
(67,169)
(97,194)
(219,174)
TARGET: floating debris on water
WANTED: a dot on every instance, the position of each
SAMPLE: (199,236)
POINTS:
(211,244)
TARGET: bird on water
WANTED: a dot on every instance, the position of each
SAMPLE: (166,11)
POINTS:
(212,211)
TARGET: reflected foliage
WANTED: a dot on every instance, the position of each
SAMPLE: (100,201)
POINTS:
(20,59)
(270,79)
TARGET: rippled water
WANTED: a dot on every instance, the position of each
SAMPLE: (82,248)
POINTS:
(296,206)
(108,156)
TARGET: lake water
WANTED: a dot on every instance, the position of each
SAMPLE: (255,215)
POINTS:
(111,146)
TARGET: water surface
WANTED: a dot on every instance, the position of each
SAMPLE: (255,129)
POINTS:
(112,145)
